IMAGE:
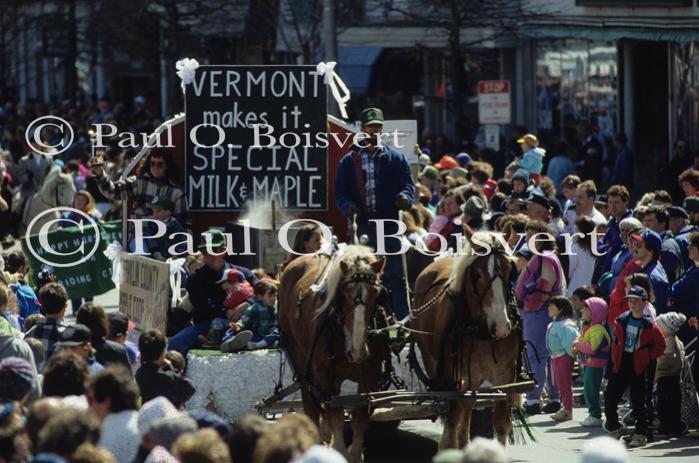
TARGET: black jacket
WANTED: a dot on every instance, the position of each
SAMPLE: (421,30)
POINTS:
(110,352)
(154,382)
(207,296)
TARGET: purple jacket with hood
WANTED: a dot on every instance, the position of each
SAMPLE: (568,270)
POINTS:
(594,341)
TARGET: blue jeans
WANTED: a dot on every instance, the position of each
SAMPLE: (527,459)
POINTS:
(187,337)
(393,280)
(534,325)
(271,337)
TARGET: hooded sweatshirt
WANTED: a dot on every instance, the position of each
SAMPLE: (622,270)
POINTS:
(533,160)
(594,341)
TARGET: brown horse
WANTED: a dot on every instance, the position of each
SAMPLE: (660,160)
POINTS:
(326,335)
(462,301)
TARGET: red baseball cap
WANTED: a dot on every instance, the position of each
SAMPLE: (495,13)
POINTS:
(231,275)
(447,162)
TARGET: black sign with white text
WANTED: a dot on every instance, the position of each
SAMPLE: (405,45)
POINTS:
(223,167)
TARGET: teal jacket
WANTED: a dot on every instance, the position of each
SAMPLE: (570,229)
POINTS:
(560,336)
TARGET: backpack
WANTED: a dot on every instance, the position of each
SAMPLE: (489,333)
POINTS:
(690,400)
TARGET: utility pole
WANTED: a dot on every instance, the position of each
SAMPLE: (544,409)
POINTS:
(330,45)
(70,88)
(329,30)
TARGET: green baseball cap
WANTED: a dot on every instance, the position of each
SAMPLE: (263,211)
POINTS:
(371,116)
(430,172)
(217,239)
(161,203)
(691,204)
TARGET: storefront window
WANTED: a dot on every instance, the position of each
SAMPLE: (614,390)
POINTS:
(576,81)
(685,94)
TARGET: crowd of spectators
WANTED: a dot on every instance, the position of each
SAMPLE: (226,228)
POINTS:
(81,392)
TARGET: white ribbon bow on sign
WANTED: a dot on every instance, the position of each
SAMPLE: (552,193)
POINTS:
(341,94)
(185,70)
(113,253)
(175,280)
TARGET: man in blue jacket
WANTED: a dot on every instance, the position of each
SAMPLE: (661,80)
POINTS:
(646,250)
(374,182)
(684,295)
(691,206)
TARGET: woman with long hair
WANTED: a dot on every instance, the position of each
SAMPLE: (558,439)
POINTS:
(581,262)
(308,239)
(84,204)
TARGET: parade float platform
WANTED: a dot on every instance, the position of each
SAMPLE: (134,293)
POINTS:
(232,384)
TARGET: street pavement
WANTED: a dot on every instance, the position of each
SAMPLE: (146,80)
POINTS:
(416,441)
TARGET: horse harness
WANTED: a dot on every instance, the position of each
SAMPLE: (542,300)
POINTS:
(330,326)
(464,325)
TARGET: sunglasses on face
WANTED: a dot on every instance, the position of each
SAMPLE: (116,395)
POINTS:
(157,163)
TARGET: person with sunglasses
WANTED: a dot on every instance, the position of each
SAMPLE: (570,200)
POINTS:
(154,182)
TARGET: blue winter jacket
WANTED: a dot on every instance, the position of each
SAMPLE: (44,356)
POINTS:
(685,293)
(394,179)
(560,336)
(661,287)
(533,160)
(682,239)
(611,242)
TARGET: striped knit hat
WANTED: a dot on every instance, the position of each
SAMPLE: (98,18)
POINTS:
(671,322)
(16,378)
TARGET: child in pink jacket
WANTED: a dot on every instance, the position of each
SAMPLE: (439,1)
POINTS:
(593,347)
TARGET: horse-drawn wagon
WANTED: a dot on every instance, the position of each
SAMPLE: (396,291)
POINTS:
(464,337)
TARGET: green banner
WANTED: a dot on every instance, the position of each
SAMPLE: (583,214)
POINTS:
(92,276)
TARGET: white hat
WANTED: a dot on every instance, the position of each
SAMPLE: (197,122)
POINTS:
(671,322)
(154,410)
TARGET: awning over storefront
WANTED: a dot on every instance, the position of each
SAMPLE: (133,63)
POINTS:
(355,67)
(609,29)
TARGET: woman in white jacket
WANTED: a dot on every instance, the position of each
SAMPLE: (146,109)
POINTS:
(581,263)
